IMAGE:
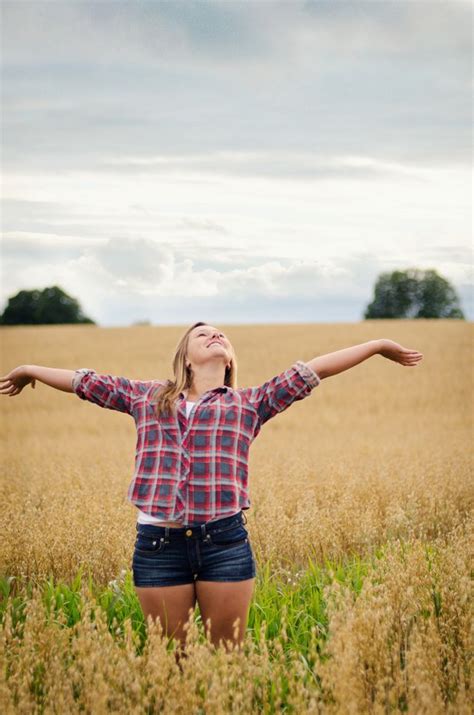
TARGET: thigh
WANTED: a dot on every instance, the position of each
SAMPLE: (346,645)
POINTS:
(163,581)
(171,604)
(221,603)
(225,584)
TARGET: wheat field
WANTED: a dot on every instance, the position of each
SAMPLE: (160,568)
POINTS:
(360,520)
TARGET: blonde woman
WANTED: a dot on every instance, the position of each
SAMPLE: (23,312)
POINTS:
(190,484)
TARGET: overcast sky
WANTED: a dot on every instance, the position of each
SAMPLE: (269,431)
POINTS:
(234,162)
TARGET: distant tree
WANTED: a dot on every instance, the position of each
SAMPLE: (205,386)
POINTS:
(413,294)
(42,307)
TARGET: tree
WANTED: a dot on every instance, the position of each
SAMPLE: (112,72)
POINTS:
(413,294)
(43,307)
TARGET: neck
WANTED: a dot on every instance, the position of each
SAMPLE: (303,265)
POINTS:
(206,379)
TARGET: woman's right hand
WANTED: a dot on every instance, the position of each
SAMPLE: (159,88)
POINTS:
(13,382)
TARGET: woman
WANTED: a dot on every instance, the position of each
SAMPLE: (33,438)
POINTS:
(191,483)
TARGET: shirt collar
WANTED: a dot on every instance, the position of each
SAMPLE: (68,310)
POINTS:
(222,388)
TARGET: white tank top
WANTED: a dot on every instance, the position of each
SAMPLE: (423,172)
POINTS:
(146,518)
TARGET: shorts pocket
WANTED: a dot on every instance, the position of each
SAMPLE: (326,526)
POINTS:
(146,544)
(229,537)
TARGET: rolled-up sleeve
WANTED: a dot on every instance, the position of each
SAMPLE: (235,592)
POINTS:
(278,393)
(109,391)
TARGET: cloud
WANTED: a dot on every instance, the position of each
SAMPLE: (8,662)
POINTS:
(388,79)
(233,33)
(135,263)
(235,156)
(276,164)
(148,267)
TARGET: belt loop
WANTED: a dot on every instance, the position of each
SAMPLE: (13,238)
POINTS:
(167,534)
(204,535)
(244,517)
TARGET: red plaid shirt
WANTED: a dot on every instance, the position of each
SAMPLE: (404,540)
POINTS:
(194,470)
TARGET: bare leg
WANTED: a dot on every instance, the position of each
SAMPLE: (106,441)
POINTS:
(171,604)
(223,602)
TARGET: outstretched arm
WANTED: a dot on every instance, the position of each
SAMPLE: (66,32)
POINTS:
(110,391)
(333,363)
(13,382)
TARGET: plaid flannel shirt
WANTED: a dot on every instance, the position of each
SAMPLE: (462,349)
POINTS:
(194,470)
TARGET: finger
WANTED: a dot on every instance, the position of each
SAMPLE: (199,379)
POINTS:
(11,389)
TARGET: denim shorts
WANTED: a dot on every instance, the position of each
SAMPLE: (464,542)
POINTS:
(218,550)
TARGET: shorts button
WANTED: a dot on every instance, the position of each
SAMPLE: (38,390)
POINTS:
(189,532)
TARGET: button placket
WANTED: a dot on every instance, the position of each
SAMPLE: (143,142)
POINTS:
(182,476)
(185,425)
(186,461)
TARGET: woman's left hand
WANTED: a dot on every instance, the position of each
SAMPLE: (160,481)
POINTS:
(405,356)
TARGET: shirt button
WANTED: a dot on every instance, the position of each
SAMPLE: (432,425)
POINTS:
(188,532)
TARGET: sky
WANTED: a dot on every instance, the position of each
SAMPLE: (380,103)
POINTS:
(234,162)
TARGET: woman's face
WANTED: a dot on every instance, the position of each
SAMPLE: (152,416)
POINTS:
(208,343)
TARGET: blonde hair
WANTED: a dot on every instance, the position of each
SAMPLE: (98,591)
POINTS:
(183,376)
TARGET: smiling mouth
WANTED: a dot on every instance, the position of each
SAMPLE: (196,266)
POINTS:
(214,342)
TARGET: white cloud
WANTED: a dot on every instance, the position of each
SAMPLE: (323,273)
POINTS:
(241,233)
(279,164)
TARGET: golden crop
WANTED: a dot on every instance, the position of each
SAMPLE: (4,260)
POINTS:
(377,460)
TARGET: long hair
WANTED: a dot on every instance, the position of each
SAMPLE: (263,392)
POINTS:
(183,376)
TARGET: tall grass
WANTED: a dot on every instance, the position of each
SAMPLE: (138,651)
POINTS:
(361,523)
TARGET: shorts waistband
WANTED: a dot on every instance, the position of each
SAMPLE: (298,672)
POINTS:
(193,530)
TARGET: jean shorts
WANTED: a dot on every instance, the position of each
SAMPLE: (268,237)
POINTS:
(218,550)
